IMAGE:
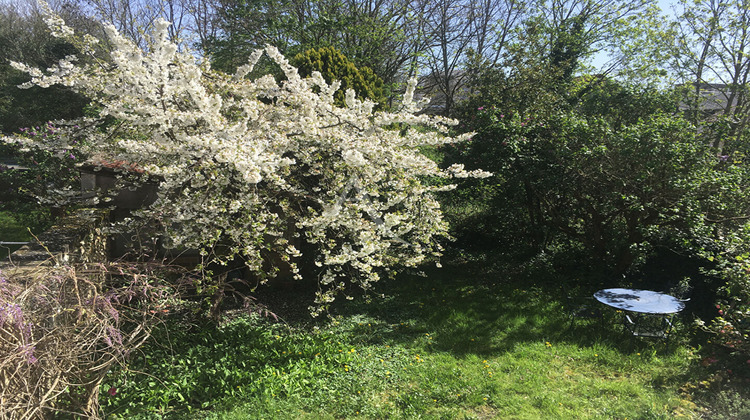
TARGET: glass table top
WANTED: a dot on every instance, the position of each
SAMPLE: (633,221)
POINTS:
(643,301)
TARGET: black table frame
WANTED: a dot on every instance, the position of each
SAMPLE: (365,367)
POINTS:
(651,318)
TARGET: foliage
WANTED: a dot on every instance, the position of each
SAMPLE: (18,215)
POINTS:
(333,65)
(48,182)
(24,37)
(44,173)
(63,328)
(732,323)
(607,167)
(258,170)
(619,103)
(729,405)
(12,230)
(373,35)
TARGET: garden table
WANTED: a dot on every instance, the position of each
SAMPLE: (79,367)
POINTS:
(647,306)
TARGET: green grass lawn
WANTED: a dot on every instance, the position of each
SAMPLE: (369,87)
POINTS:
(15,226)
(455,344)
(11,230)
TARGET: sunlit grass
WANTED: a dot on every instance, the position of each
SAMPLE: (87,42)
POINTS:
(11,230)
(438,347)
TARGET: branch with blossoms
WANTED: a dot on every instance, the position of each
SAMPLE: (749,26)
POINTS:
(265,167)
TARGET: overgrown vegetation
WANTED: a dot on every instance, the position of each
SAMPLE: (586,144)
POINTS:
(334,66)
(632,175)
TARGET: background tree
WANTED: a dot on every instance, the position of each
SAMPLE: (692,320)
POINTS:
(191,19)
(245,25)
(711,59)
(375,34)
(24,37)
(456,32)
(578,29)
(333,66)
(395,38)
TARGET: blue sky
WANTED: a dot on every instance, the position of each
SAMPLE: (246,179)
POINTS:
(666,5)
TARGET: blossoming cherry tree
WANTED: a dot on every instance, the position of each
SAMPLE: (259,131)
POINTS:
(259,168)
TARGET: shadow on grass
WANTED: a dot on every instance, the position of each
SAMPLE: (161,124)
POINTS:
(465,313)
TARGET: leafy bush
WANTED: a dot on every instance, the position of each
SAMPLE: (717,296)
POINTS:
(731,325)
(612,189)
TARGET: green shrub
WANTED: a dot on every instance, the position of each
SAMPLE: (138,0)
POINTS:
(570,177)
(333,65)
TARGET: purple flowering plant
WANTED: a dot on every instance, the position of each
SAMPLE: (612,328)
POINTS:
(63,328)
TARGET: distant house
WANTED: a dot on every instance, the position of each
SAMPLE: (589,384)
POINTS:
(713,98)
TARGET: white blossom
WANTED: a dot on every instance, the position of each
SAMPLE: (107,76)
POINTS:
(250,164)
(354,158)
